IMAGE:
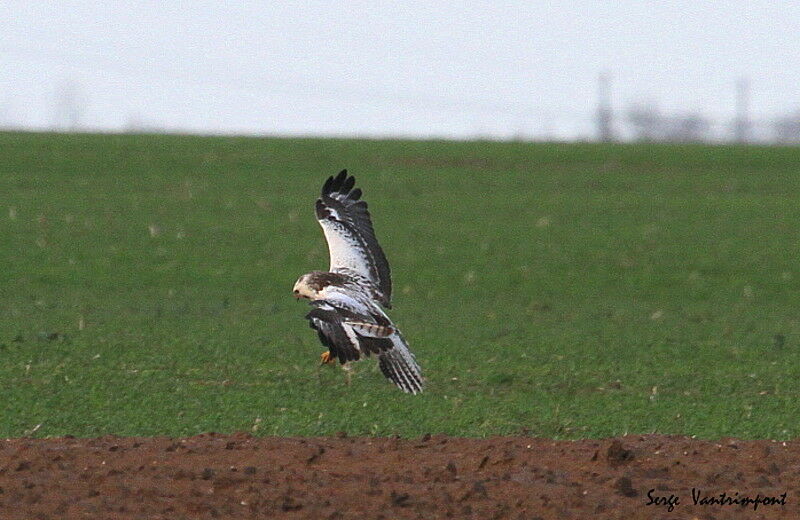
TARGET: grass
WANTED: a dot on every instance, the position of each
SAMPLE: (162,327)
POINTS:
(556,290)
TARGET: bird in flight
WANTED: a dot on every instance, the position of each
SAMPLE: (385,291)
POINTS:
(347,299)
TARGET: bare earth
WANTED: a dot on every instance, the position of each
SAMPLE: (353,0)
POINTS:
(218,476)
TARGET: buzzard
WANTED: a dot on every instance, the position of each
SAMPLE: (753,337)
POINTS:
(347,299)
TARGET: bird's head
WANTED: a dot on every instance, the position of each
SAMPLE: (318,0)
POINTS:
(305,288)
(312,285)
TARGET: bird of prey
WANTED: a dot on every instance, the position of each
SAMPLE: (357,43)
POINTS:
(347,299)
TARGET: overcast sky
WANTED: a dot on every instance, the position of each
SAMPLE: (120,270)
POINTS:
(389,68)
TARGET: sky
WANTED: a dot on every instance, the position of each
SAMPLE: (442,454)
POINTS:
(426,69)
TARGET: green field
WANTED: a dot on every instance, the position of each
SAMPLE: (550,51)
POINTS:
(553,290)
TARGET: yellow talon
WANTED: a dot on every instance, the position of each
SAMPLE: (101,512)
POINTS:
(326,358)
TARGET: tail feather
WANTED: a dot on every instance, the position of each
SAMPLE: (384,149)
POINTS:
(400,366)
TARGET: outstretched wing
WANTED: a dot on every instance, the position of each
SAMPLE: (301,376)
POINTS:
(351,240)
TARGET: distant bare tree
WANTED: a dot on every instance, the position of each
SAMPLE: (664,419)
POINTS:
(136,124)
(786,130)
(687,128)
(646,121)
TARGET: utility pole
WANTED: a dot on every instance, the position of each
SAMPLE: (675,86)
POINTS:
(741,125)
(604,115)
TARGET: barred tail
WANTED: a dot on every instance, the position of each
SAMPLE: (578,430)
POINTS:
(399,365)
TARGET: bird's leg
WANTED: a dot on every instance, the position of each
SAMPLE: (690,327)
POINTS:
(326,358)
(348,371)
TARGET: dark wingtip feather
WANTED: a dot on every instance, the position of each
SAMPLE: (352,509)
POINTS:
(326,188)
(348,184)
(338,181)
(339,184)
(355,194)
(321,210)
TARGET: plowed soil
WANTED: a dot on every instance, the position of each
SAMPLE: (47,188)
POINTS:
(216,476)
